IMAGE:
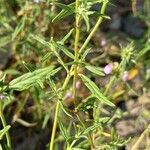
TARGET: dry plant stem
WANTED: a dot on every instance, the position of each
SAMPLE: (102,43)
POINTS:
(4,125)
(139,141)
(77,34)
(53,12)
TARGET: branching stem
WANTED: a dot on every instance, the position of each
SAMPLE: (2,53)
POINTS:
(75,66)
(4,125)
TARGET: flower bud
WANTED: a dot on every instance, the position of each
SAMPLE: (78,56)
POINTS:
(125,76)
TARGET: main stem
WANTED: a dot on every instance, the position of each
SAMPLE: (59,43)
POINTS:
(54,125)
(4,125)
(57,111)
(77,34)
(75,65)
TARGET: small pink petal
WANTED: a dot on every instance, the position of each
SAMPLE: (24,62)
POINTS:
(68,95)
(103,42)
(78,85)
(125,76)
(2,96)
(108,69)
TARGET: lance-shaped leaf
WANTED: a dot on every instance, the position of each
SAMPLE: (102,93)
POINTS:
(19,28)
(95,70)
(96,125)
(95,90)
(63,130)
(25,81)
(63,48)
(66,37)
(66,11)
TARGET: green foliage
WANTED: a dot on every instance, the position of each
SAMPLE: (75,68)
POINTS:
(95,90)
(47,43)
(66,11)
(26,80)
(96,70)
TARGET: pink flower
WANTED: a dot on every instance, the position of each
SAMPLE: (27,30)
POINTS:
(78,85)
(2,96)
(108,69)
(68,95)
(103,42)
(125,76)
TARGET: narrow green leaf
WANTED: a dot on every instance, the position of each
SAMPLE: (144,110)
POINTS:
(63,6)
(86,19)
(54,72)
(53,48)
(45,121)
(61,47)
(85,53)
(143,51)
(95,126)
(91,128)
(46,56)
(67,10)
(19,28)
(95,90)
(25,81)
(66,37)
(96,70)
(65,110)
(39,39)
(63,130)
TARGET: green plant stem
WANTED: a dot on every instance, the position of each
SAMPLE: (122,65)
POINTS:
(111,82)
(54,125)
(57,110)
(90,136)
(113,78)
(77,34)
(4,125)
(75,66)
(102,12)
